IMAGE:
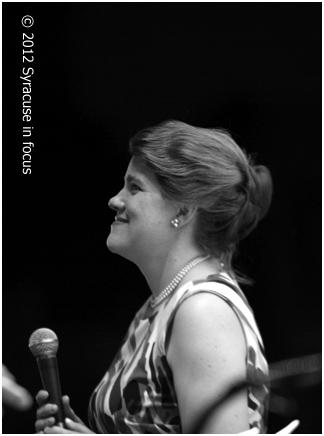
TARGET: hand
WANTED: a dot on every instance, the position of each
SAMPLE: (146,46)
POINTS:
(46,422)
(73,427)
(13,395)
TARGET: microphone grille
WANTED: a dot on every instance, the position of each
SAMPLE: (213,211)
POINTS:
(43,342)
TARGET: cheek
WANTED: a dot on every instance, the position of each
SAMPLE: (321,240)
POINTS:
(155,217)
(156,227)
(150,215)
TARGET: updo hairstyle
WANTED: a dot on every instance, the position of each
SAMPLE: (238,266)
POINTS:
(206,168)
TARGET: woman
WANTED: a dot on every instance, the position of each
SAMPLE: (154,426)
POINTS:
(190,195)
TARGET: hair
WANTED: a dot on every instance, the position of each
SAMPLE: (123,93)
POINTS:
(206,168)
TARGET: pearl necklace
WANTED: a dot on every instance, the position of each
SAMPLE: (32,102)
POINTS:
(177,279)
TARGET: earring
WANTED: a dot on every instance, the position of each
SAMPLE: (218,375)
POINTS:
(175,222)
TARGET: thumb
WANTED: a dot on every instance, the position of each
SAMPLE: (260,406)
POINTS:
(76,427)
(68,411)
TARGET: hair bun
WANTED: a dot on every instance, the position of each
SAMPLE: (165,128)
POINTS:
(261,188)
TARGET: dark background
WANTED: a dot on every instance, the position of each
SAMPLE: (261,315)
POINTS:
(102,72)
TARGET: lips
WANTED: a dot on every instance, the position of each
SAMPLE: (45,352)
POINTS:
(120,219)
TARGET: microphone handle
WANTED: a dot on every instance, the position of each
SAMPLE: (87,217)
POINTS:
(48,369)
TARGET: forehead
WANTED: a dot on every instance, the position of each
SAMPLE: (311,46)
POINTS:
(138,168)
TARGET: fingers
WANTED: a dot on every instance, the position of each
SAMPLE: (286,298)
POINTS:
(56,430)
(46,411)
(77,427)
(42,397)
(46,422)
(72,427)
(41,424)
(44,417)
(68,411)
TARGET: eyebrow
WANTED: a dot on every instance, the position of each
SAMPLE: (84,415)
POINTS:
(130,178)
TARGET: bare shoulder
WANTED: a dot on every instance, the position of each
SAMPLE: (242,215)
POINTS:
(207,356)
(206,312)
(207,328)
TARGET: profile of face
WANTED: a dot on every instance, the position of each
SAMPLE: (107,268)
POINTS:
(142,225)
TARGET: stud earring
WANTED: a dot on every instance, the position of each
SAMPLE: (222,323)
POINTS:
(175,222)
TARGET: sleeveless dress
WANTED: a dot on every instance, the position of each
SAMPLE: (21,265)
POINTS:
(137,394)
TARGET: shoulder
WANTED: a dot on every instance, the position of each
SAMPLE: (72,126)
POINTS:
(205,325)
(207,357)
(206,311)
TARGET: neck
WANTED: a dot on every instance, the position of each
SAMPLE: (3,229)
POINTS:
(160,271)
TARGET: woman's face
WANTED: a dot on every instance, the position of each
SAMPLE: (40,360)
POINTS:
(142,226)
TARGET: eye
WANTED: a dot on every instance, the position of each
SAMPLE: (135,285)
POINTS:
(134,187)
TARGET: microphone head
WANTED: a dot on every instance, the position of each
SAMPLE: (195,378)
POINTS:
(43,342)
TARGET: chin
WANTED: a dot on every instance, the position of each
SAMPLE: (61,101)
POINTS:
(113,247)
(117,248)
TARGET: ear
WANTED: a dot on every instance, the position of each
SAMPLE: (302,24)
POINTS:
(186,214)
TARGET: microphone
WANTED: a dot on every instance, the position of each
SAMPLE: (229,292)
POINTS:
(43,343)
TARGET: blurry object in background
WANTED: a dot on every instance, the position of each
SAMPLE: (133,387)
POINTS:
(286,430)
(13,395)
(291,376)
(308,369)
(289,428)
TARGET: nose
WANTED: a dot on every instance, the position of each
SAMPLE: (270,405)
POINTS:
(116,203)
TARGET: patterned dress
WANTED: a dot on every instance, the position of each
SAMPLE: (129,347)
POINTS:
(137,394)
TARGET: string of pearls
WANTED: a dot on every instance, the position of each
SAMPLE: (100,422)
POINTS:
(177,279)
